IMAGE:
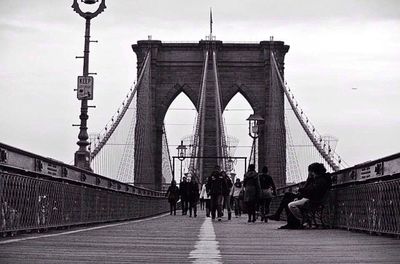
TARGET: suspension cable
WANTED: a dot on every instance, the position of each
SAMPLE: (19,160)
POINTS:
(109,132)
(326,155)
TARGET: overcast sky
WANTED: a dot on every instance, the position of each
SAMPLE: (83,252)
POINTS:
(334,46)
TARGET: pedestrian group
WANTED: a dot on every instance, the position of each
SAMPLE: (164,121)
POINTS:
(253,194)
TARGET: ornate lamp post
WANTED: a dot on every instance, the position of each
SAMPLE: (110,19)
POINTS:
(181,154)
(254,120)
(85,86)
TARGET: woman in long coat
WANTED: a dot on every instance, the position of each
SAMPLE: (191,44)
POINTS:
(252,188)
(173,196)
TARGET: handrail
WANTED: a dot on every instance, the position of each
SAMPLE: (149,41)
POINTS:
(42,167)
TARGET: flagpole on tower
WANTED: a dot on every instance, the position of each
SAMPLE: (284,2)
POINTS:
(211,22)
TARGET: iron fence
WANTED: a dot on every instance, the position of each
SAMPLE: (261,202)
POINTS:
(35,203)
(373,207)
(368,206)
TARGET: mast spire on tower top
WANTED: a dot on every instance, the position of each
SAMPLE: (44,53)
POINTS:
(211,21)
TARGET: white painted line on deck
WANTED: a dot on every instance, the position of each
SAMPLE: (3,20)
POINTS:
(206,248)
(78,231)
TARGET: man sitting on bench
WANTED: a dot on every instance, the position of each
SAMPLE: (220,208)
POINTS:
(315,188)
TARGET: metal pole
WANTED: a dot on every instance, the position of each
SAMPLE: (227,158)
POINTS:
(82,156)
(173,168)
(181,170)
(254,151)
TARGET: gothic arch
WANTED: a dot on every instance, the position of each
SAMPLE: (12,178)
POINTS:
(255,102)
(171,95)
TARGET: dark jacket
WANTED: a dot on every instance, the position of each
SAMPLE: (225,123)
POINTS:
(184,190)
(251,185)
(266,181)
(316,188)
(172,194)
(194,194)
(216,184)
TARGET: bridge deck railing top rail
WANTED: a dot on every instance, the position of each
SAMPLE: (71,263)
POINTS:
(16,160)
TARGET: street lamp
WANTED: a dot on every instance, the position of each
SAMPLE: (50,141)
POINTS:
(254,120)
(85,86)
(181,154)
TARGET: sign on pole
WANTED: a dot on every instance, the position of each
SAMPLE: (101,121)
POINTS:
(85,88)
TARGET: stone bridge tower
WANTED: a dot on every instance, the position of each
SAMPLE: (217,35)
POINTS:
(178,67)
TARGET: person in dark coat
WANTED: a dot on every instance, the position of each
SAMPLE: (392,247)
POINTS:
(193,198)
(184,190)
(268,189)
(314,191)
(173,196)
(216,188)
(252,188)
(316,186)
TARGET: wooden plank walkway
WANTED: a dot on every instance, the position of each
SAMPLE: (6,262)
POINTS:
(180,239)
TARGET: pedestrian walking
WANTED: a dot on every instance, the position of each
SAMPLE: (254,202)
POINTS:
(173,197)
(206,199)
(268,189)
(227,200)
(216,188)
(193,190)
(183,188)
(251,184)
(237,188)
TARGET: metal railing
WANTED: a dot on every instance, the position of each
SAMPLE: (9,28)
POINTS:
(41,193)
(359,202)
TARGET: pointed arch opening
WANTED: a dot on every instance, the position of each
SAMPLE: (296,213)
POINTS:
(179,121)
(235,114)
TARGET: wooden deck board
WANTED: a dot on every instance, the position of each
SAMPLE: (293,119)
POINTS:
(170,239)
